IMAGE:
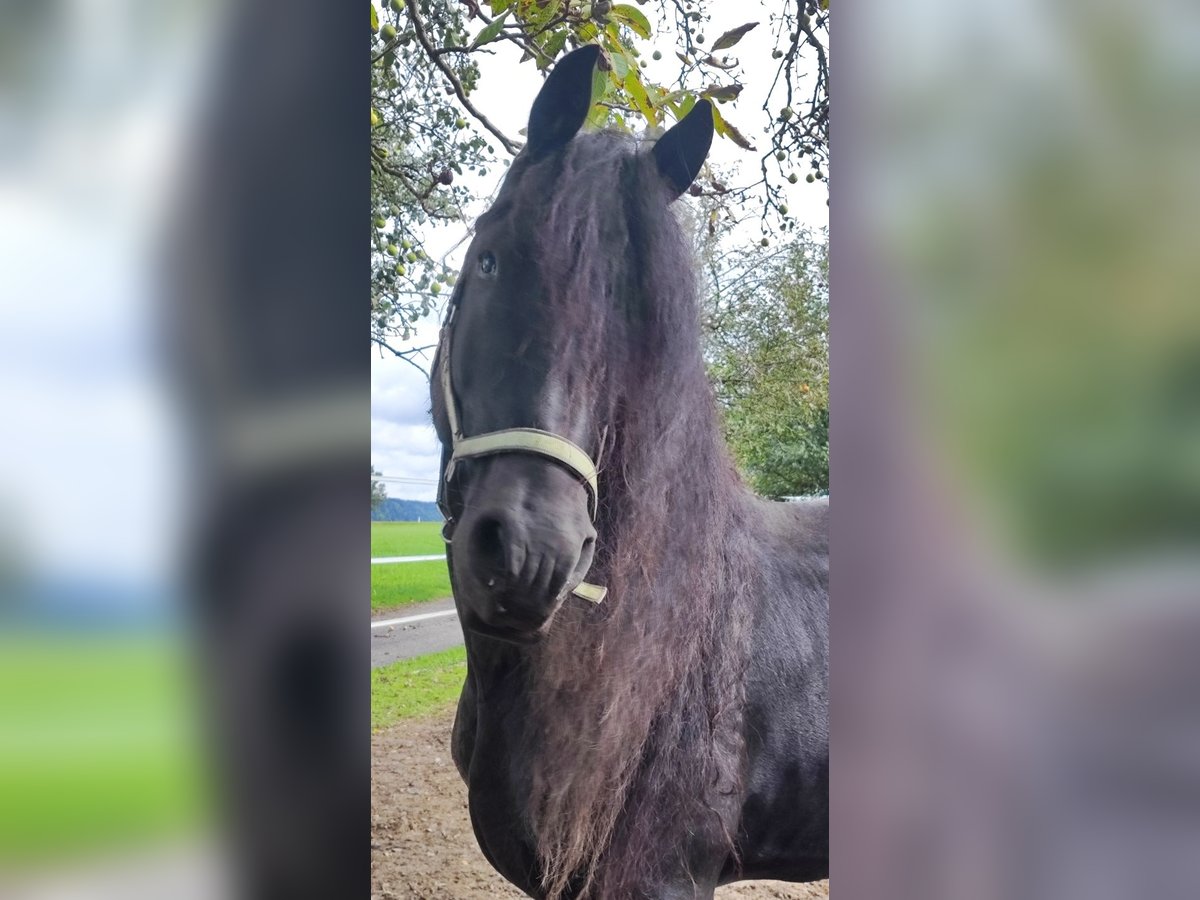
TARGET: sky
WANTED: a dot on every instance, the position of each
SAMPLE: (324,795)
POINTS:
(403,443)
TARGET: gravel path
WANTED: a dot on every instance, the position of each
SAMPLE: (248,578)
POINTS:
(392,640)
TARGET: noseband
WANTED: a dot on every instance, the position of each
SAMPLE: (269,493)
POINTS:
(509,440)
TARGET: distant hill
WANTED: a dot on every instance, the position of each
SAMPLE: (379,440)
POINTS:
(393,510)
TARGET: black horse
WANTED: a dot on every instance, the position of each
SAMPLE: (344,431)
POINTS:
(674,735)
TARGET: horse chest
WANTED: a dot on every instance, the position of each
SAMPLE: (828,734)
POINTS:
(486,738)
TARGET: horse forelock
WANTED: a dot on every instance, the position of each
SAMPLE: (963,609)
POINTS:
(637,703)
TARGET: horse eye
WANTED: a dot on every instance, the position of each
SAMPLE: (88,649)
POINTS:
(487,263)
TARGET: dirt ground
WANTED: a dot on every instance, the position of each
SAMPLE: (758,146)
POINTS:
(422,845)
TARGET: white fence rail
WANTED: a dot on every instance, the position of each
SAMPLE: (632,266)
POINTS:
(388,560)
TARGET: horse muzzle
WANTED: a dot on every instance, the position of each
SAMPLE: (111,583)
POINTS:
(523,543)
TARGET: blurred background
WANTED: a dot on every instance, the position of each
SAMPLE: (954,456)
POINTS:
(1014,450)
(98,729)
(184,418)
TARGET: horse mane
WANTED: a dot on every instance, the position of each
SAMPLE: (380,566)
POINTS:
(636,703)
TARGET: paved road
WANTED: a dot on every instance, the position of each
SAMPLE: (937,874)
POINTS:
(193,870)
(414,631)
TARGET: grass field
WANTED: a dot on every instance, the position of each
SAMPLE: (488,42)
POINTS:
(406,538)
(414,687)
(97,750)
(399,584)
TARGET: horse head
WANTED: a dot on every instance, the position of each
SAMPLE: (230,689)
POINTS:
(530,347)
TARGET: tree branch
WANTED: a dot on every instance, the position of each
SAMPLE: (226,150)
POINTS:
(403,354)
(423,40)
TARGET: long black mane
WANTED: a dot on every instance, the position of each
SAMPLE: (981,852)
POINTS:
(638,702)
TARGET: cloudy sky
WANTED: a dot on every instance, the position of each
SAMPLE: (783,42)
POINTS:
(403,443)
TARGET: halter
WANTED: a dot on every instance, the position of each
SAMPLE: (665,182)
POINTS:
(509,440)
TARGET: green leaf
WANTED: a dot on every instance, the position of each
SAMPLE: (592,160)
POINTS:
(637,93)
(616,53)
(731,37)
(555,44)
(539,14)
(492,29)
(722,91)
(374,19)
(725,129)
(597,117)
(599,85)
(719,123)
(633,17)
(499,6)
(601,79)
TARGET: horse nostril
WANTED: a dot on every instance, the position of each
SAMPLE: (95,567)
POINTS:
(489,540)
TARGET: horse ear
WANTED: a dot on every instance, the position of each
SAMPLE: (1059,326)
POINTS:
(563,102)
(681,151)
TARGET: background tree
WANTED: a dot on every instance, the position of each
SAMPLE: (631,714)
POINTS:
(378,491)
(427,131)
(766,322)
(419,143)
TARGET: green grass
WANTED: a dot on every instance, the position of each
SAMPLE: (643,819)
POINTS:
(97,750)
(415,687)
(400,584)
(406,538)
